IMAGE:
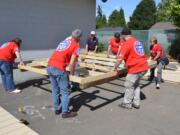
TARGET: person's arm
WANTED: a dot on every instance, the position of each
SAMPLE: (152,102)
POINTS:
(86,48)
(119,50)
(118,62)
(97,43)
(72,64)
(18,55)
(95,49)
(157,56)
(109,51)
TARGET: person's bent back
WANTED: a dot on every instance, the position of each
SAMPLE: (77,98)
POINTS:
(8,53)
(65,54)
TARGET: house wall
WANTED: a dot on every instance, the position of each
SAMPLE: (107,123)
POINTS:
(42,24)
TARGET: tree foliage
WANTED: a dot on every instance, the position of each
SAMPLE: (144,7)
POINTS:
(144,15)
(117,18)
(162,11)
(174,11)
(101,20)
(169,10)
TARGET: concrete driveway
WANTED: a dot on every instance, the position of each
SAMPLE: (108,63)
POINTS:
(97,108)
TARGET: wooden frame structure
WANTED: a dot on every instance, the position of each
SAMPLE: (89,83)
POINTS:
(93,69)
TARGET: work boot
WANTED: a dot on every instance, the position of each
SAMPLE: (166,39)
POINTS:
(126,105)
(57,112)
(69,114)
(136,106)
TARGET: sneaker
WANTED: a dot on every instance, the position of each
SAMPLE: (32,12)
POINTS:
(57,112)
(16,91)
(125,105)
(69,114)
(136,106)
(157,86)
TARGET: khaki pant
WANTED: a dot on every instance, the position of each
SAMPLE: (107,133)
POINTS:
(160,67)
(132,92)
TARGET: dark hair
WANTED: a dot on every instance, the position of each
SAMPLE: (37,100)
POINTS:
(17,41)
(117,35)
(155,41)
(126,31)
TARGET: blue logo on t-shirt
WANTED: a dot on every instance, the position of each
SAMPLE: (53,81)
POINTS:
(63,45)
(139,48)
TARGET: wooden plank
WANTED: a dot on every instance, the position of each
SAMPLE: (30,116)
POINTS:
(11,128)
(105,63)
(104,55)
(96,58)
(22,131)
(5,118)
(9,125)
(96,67)
(86,72)
(8,122)
(112,75)
(90,78)
(44,72)
(91,81)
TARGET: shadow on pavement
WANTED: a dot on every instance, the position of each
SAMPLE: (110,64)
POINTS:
(83,97)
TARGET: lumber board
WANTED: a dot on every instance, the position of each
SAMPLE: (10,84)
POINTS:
(93,81)
(9,125)
(100,70)
(97,58)
(105,63)
(96,67)
(44,72)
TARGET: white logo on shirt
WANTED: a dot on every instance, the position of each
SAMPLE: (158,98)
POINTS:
(4,45)
(139,48)
(63,45)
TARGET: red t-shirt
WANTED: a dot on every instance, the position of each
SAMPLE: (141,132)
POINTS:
(7,51)
(132,52)
(114,45)
(155,49)
(62,55)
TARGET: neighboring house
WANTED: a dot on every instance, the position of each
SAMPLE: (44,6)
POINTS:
(166,33)
(42,24)
(164,26)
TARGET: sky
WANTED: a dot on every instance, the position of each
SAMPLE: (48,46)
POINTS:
(128,6)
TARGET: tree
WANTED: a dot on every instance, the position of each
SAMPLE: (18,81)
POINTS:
(117,18)
(162,11)
(114,19)
(169,11)
(144,15)
(123,21)
(101,20)
(174,11)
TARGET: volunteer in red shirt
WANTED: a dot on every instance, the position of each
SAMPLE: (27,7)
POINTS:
(132,52)
(8,53)
(114,45)
(65,54)
(156,52)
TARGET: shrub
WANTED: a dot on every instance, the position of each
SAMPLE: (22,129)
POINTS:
(101,47)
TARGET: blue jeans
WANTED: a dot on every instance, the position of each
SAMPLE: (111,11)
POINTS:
(6,71)
(59,83)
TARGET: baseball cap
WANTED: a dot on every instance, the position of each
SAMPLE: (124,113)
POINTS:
(93,33)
